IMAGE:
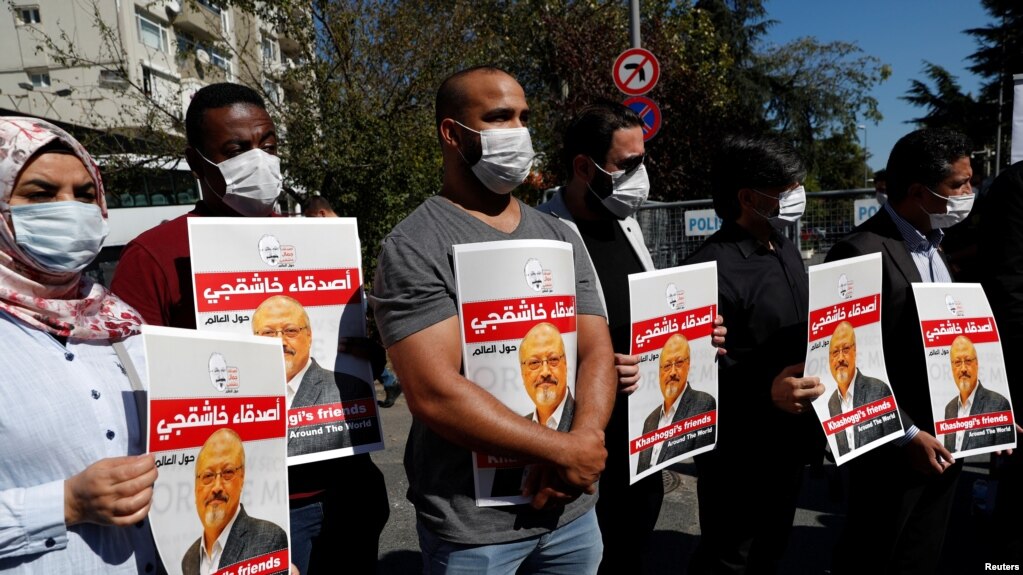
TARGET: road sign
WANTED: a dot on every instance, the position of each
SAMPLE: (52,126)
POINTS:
(636,71)
(648,110)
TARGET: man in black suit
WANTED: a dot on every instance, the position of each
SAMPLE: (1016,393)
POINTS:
(545,376)
(229,534)
(1001,268)
(316,386)
(900,495)
(842,360)
(681,402)
(321,537)
(972,399)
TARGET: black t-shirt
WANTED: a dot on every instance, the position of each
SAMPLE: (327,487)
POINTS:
(763,295)
(613,260)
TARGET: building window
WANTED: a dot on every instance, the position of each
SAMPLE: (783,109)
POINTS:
(151,33)
(271,91)
(218,59)
(209,5)
(39,79)
(269,46)
(28,14)
(147,81)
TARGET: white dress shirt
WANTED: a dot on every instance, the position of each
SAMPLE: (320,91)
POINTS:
(210,563)
(964,411)
(847,406)
(296,381)
(664,421)
(555,419)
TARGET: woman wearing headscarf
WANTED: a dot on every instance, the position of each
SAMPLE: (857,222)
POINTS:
(74,489)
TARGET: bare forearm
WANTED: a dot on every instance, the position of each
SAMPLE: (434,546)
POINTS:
(461,411)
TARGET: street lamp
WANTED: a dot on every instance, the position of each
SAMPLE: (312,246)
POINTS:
(865,168)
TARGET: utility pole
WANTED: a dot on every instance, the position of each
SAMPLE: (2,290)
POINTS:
(634,37)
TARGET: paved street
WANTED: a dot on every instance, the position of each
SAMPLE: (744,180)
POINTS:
(818,519)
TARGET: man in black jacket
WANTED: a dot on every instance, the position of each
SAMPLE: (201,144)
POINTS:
(900,495)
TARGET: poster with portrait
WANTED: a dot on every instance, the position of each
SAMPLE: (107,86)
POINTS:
(516,309)
(965,369)
(673,414)
(217,429)
(300,281)
(844,349)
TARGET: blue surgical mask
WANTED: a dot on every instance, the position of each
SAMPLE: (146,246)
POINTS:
(60,236)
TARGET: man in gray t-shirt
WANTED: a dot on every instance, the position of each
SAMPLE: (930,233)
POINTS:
(481,111)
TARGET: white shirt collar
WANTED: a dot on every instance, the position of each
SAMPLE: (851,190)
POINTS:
(667,418)
(210,563)
(964,410)
(555,419)
(296,381)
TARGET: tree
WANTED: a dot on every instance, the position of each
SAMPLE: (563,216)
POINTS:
(817,92)
(948,106)
(999,56)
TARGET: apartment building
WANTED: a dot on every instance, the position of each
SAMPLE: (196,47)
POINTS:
(115,50)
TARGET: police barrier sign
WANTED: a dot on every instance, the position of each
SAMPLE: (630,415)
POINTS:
(864,209)
(701,222)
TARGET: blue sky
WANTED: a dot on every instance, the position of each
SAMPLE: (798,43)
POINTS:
(902,34)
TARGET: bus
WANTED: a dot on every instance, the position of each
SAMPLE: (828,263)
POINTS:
(141,192)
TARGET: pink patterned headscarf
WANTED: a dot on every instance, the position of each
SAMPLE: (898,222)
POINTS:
(65,304)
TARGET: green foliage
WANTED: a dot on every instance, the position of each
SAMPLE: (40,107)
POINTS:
(357,114)
(998,56)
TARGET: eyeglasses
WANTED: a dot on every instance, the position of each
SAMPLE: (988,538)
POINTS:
(228,474)
(627,165)
(288,332)
(964,362)
(552,362)
(677,364)
(844,350)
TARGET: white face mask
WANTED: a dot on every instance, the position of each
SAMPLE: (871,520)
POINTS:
(957,208)
(506,160)
(60,236)
(881,197)
(628,191)
(790,206)
(253,181)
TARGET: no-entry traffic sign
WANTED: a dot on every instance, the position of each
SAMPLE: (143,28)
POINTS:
(649,112)
(636,71)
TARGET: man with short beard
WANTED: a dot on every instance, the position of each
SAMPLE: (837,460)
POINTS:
(681,402)
(309,384)
(854,390)
(972,399)
(229,534)
(545,375)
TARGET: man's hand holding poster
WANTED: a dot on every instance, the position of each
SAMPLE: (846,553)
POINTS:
(516,307)
(217,431)
(673,413)
(299,281)
(857,410)
(966,370)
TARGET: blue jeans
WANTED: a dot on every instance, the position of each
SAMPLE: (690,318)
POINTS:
(306,522)
(387,378)
(573,549)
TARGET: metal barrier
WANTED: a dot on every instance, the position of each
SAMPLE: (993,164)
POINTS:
(671,236)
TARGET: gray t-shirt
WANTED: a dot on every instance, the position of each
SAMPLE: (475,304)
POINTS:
(414,288)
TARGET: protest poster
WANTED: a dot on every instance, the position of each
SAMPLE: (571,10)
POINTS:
(217,430)
(969,389)
(299,280)
(516,307)
(844,349)
(673,414)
